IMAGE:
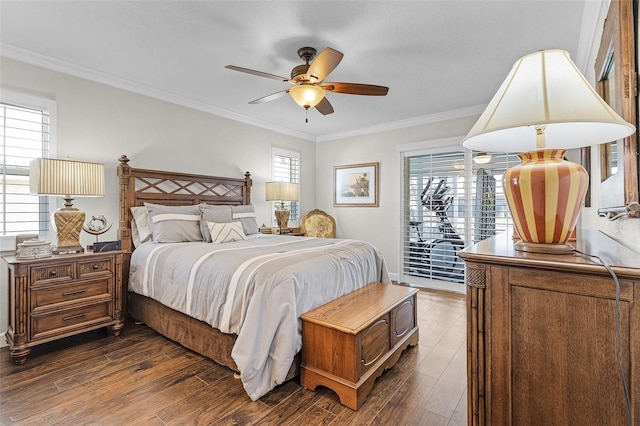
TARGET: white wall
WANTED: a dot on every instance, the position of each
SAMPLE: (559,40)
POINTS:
(100,123)
(381,225)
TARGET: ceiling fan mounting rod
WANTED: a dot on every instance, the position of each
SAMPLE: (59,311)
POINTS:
(307,54)
(299,72)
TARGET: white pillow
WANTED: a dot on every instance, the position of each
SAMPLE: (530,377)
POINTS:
(226,232)
(140,227)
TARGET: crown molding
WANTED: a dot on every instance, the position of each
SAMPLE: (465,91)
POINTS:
(44,61)
(64,67)
(593,18)
(411,122)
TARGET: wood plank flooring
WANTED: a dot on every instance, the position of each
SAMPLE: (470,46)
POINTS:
(142,378)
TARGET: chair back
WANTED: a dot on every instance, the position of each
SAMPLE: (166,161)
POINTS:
(318,224)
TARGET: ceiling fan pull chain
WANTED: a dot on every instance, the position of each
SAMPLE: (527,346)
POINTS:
(306,115)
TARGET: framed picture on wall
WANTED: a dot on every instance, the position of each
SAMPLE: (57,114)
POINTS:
(355,185)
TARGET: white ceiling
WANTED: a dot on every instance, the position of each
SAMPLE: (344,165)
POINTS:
(437,57)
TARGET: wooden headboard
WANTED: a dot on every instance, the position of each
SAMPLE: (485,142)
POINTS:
(171,188)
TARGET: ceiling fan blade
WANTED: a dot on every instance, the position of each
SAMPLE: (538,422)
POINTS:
(324,107)
(356,89)
(323,64)
(269,97)
(258,73)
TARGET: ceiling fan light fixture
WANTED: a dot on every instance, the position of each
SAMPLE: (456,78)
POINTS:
(307,95)
(482,158)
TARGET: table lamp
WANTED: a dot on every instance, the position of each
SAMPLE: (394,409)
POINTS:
(281,192)
(68,179)
(544,107)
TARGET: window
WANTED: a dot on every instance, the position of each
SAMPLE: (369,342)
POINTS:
(286,168)
(450,202)
(25,134)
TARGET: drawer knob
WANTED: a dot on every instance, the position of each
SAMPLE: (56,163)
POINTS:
(95,267)
(53,273)
(74,317)
(71,293)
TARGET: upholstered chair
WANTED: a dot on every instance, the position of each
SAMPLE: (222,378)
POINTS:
(319,224)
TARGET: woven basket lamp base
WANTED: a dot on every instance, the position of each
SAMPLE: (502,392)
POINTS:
(69,225)
(282,216)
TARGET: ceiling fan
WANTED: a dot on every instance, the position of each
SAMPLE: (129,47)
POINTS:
(309,88)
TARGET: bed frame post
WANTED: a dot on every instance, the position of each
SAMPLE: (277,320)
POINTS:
(124,227)
(247,186)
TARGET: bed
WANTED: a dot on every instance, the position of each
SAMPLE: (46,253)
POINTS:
(263,282)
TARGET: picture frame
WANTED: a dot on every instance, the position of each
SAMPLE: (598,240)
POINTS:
(356,185)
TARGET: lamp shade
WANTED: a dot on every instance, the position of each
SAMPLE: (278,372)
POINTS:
(307,95)
(545,102)
(281,191)
(68,178)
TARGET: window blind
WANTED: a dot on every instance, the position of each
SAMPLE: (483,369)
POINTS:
(450,202)
(24,135)
(286,168)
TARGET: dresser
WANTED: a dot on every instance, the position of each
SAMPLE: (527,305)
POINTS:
(541,334)
(62,295)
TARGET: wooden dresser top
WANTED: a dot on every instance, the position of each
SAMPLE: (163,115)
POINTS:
(625,262)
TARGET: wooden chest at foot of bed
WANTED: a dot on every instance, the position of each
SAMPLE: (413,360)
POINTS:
(349,342)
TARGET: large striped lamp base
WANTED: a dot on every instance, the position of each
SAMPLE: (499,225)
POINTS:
(544,194)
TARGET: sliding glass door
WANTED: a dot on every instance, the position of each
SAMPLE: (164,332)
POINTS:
(451,199)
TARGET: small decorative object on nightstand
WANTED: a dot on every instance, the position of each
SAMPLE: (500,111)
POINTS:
(33,249)
(59,296)
(96,226)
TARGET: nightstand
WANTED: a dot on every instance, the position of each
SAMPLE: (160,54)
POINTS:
(62,295)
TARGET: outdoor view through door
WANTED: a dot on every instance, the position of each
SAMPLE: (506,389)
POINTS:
(449,203)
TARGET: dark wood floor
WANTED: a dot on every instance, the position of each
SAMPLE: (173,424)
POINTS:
(142,378)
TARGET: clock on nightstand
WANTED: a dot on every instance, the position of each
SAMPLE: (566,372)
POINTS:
(62,295)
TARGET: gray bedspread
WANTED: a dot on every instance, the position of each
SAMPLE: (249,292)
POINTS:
(256,289)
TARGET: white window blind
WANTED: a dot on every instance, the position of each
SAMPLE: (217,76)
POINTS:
(24,135)
(449,203)
(286,168)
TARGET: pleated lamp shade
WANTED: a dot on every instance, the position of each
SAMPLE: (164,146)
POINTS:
(50,176)
(544,107)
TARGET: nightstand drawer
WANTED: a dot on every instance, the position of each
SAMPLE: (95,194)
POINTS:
(57,272)
(87,269)
(51,295)
(63,321)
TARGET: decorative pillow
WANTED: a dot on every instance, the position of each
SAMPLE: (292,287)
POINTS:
(209,213)
(226,232)
(174,224)
(247,216)
(140,228)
